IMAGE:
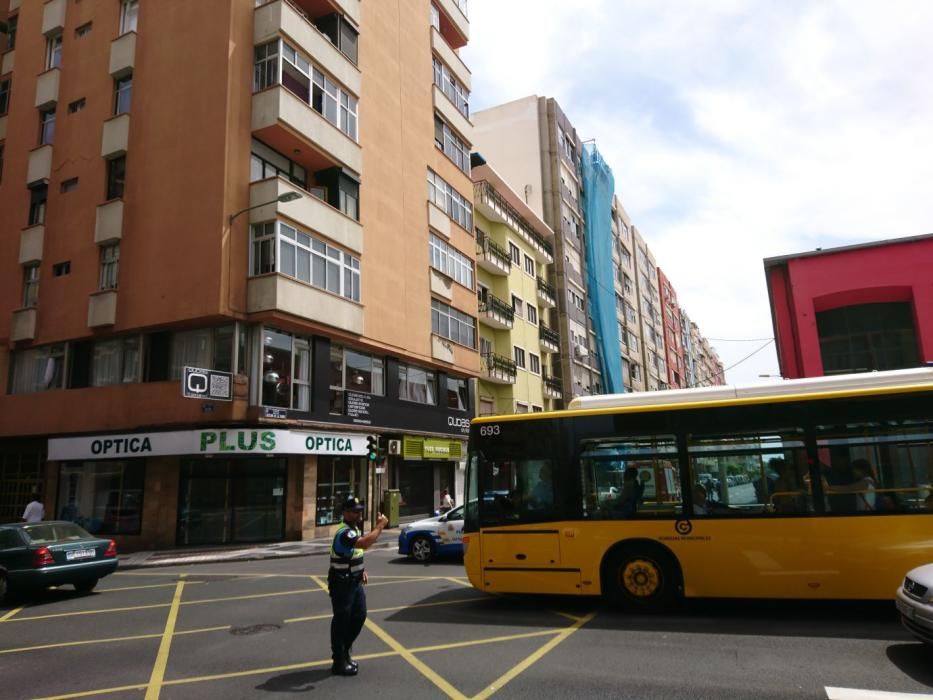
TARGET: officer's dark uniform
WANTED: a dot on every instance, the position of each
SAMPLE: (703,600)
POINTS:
(347,597)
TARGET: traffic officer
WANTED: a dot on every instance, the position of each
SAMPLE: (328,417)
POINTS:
(345,581)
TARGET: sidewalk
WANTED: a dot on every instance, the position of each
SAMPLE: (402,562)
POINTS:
(209,555)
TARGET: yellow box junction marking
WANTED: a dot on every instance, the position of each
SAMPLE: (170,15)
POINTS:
(11,613)
(158,670)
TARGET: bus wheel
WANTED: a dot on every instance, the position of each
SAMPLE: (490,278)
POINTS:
(642,579)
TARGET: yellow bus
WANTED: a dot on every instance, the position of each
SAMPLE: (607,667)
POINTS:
(814,488)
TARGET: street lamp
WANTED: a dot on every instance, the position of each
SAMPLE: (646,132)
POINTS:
(286,197)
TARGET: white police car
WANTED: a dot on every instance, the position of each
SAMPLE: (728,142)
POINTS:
(915,603)
(440,535)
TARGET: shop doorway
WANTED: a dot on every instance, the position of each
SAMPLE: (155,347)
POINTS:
(229,501)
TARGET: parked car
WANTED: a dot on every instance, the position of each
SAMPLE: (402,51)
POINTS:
(34,556)
(441,535)
(915,603)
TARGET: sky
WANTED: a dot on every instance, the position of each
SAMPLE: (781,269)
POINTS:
(736,130)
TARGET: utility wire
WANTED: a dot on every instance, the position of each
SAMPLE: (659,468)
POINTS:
(748,356)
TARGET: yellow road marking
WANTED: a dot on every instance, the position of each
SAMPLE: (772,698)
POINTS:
(500,682)
(91,612)
(158,670)
(11,613)
(139,588)
(417,663)
(572,618)
(111,639)
(486,640)
(243,577)
(394,608)
(458,580)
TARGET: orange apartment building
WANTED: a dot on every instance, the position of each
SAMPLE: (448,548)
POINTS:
(249,187)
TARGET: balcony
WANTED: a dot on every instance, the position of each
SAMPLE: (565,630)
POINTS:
(547,295)
(39,165)
(451,59)
(452,115)
(47,88)
(53,16)
(497,369)
(549,339)
(491,205)
(23,326)
(490,256)
(282,18)
(108,227)
(288,124)
(496,313)
(553,387)
(115,137)
(280,293)
(455,27)
(7,61)
(102,308)
(123,55)
(309,212)
(30,244)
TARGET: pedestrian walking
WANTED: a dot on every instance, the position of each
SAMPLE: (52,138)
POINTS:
(35,511)
(447,502)
(345,581)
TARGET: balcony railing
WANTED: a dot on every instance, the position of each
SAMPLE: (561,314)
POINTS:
(486,194)
(499,367)
(488,247)
(546,288)
(495,305)
(553,385)
(548,335)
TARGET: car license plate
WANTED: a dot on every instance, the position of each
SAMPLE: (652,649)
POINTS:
(906,609)
(80,554)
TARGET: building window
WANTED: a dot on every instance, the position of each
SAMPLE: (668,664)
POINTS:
(451,261)
(129,14)
(53,53)
(61,269)
(116,177)
(4,96)
(518,306)
(122,94)
(521,407)
(266,162)
(457,394)
(534,363)
(76,106)
(38,369)
(532,315)
(209,348)
(109,265)
(341,34)
(83,30)
(519,355)
(278,63)
(46,127)
(451,144)
(30,285)
(515,254)
(105,498)
(448,322)
(451,87)
(353,371)
(38,196)
(11,32)
(417,384)
(286,371)
(435,17)
(448,200)
(1,161)
(70,185)
(305,258)
(115,361)
(868,337)
(529,266)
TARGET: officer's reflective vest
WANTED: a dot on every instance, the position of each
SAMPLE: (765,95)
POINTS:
(343,563)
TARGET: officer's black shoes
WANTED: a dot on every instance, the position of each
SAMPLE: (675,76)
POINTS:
(350,661)
(342,667)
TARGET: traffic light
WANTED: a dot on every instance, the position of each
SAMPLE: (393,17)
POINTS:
(372,448)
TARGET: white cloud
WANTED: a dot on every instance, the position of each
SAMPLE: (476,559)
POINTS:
(736,131)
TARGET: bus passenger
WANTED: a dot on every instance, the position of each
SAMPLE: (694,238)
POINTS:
(862,486)
(699,500)
(789,497)
(542,495)
(632,491)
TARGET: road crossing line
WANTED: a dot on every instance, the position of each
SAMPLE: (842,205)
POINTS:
(158,670)
(11,613)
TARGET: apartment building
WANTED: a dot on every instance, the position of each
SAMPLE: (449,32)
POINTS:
(210,294)
(649,300)
(516,302)
(673,334)
(537,151)
(628,308)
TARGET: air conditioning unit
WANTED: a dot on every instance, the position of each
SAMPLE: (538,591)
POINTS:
(395,447)
(580,351)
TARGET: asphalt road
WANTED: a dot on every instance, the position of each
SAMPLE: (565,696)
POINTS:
(259,629)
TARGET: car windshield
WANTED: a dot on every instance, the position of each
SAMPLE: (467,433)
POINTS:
(46,533)
(456,513)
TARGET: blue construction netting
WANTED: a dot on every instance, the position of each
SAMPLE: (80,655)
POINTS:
(598,188)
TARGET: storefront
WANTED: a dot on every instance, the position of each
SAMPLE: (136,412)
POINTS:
(428,466)
(199,487)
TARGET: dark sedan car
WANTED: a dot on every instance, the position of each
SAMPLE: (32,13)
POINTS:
(34,556)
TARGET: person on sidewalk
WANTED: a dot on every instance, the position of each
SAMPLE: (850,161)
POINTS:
(345,580)
(446,502)
(35,511)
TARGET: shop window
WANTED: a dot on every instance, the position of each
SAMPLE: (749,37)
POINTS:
(337,478)
(353,371)
(38,369)
(105,498)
